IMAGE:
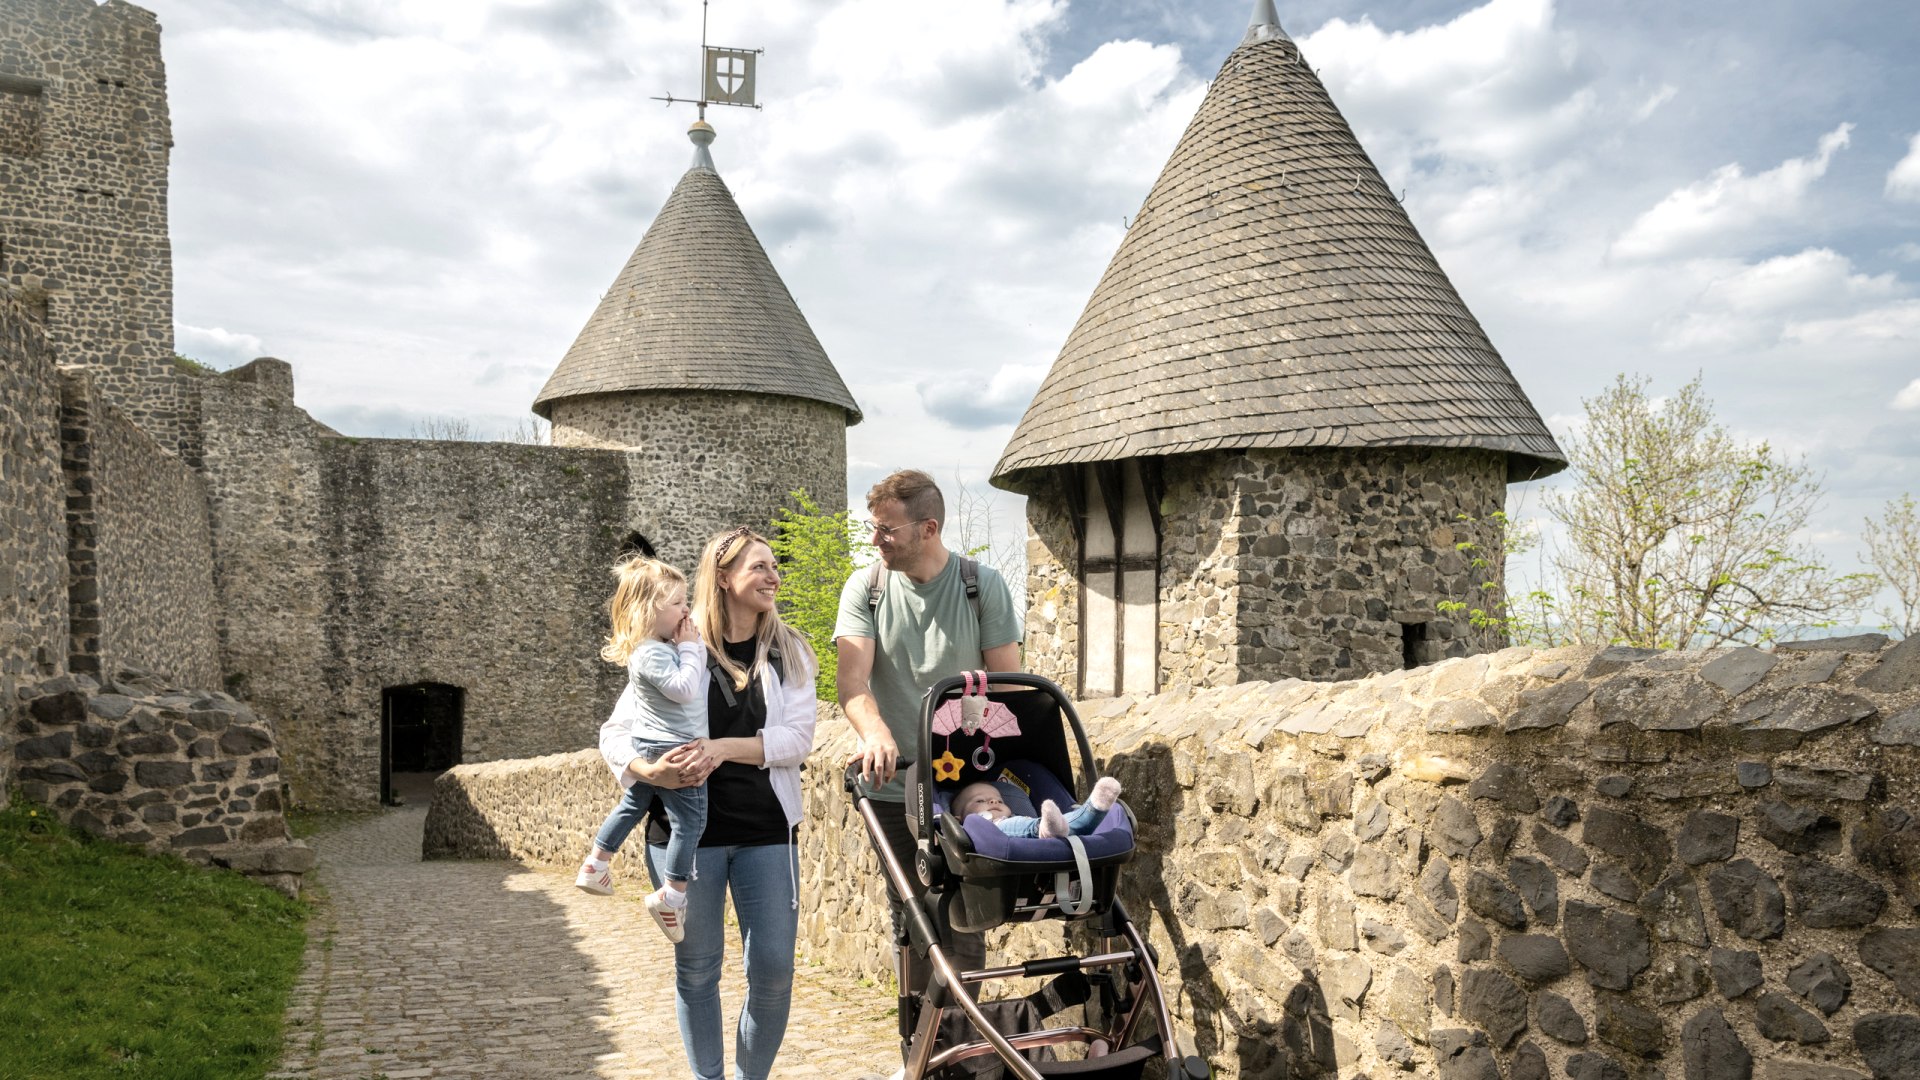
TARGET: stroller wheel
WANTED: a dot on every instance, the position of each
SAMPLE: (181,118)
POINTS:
(1188,1068)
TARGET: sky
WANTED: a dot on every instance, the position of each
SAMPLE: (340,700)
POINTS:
(418,203)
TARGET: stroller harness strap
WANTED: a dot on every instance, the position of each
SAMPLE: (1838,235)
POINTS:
(1075,897)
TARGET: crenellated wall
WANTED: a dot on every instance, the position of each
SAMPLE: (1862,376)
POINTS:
(1575,863)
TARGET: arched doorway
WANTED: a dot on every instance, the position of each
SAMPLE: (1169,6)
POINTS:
(420,738)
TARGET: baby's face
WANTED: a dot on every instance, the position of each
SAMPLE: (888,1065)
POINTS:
(983,799)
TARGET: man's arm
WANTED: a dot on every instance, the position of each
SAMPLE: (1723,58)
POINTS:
(1002,657)
(877,752)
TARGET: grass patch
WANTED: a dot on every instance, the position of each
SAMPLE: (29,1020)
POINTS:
(115,963)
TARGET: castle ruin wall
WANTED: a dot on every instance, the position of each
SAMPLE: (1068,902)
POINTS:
(1577,862)
(140,558)
(33,525)
(85,137)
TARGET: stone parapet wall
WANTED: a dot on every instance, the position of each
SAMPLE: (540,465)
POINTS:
(33,530)
(1576,863)
(542,811)
(140,557)
(134,759)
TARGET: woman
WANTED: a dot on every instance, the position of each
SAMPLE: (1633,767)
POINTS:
(760,717)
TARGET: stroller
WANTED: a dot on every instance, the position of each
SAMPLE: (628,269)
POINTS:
(975,878)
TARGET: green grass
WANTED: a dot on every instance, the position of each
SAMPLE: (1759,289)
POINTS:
(114,963)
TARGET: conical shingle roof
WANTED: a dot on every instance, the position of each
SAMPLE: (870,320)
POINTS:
(1273,293)
(698,307)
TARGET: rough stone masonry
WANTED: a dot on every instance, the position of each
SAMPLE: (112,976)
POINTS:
(1575,863)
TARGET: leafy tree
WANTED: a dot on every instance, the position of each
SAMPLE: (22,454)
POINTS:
(1893,548)
(1679,536)
(818,552)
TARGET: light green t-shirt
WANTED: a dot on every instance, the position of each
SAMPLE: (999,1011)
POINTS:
(922,634)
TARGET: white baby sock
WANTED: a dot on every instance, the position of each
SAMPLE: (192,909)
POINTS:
(1105,790)
(1053,823)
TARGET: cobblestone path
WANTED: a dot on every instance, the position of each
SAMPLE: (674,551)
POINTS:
(489,969)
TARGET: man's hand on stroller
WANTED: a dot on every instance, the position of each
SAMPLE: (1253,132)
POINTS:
(878,757)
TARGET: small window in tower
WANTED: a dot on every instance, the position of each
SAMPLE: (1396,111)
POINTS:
(1119,579)
(635,543)
(21,109)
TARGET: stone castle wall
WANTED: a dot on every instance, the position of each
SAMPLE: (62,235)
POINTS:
(140,560)
(704,460)
(33,526)
(85,137)
(1580,863)
(130,758)
(1295,564)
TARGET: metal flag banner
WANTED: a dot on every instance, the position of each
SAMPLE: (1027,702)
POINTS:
(729,78)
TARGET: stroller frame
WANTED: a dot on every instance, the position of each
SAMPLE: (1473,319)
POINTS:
(1125,974)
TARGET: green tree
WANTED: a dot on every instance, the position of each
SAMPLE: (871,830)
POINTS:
(1893,548)
(818,552)
(1678,535)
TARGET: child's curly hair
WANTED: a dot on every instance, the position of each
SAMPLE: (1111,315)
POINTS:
(642,588)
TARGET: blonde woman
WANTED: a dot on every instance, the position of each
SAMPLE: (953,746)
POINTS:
(760,718)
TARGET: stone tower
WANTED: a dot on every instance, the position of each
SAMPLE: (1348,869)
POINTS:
(1276,440)
(699,362)
(84,143)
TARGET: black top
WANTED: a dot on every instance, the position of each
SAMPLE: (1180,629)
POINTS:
(742,810)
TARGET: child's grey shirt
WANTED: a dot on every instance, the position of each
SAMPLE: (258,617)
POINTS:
(666,695)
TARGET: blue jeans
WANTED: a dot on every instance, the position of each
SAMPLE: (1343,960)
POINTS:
(762,879)
(686,812)
(1080,821)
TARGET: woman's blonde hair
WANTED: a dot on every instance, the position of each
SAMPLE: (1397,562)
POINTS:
(642,588)
(722,553)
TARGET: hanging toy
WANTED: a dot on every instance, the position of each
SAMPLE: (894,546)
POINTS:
(946,766)
(973,713)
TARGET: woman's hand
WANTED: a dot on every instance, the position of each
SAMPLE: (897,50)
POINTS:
(681,767)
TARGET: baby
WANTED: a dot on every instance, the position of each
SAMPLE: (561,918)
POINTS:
(984,799)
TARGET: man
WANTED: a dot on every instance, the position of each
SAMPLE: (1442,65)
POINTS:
(923,629)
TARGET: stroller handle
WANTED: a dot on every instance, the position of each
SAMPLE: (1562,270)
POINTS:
(852,778)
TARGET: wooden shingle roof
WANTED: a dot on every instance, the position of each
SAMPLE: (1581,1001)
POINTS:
(1273,293)
(698,307)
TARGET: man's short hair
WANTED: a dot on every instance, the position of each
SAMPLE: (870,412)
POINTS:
(917,493)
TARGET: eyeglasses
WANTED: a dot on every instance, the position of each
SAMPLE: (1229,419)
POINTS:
(885,532)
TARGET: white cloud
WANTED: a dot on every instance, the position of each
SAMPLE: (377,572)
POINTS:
(1890,323)
(965,403)
(1654,100)
(1907,252)
(1498,85)
(215,346)
(1903,181)
(1728,203)
(1908,397)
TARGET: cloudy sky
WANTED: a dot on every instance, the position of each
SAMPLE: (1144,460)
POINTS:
(418,202)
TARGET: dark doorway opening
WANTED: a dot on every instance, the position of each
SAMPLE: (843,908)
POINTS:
(637,544)
(1413,644)
(420,738)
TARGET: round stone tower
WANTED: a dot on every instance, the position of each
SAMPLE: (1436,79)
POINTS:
(699,364)
(1276,442)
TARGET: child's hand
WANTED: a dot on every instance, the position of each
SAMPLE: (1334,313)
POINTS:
(685,632)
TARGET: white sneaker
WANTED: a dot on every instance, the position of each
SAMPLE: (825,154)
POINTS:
(596,880)
(672,920)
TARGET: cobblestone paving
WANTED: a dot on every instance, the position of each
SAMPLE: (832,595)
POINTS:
(490,969)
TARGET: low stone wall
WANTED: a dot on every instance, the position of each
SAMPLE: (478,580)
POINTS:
(1580,863)
(542,811)
(188,772)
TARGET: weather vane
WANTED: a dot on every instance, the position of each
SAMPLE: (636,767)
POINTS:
(726,75)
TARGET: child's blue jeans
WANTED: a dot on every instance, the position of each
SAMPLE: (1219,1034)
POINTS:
(686,814)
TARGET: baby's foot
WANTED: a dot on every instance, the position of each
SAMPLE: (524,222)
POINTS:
(1105,791)
(1053,823)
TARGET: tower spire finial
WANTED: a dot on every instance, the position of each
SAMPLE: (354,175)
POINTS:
(701,134)
(1265,24)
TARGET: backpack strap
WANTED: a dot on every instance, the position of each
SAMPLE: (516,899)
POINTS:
(876,584)
(722,680)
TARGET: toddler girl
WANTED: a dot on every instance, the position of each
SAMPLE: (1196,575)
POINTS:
(984,799)
(663,707)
